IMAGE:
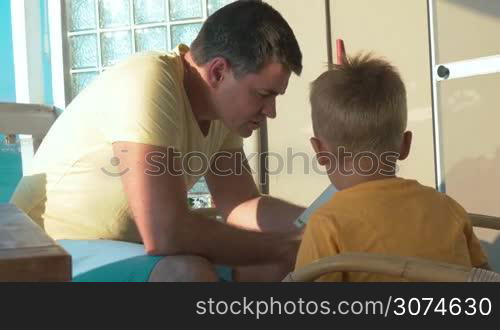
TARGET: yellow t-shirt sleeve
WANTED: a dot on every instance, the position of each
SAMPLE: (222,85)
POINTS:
(319,241)
(147,104)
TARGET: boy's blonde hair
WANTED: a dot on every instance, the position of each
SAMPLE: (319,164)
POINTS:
(360,105)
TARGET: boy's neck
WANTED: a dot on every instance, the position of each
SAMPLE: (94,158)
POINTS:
(350,175)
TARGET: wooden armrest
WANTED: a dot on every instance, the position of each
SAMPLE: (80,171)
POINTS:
(410,268)
(484,221)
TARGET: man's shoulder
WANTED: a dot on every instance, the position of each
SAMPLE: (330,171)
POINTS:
(148,64)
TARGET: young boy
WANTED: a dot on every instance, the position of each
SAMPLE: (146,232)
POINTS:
(359,116)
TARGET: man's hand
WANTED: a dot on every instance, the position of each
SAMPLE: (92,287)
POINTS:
(236,196)
(232,187)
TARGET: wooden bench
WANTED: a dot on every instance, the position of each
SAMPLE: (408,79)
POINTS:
(27,253)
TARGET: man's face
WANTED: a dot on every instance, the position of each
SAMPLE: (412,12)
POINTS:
(243,104)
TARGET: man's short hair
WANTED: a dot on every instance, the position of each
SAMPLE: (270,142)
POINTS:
(360,105)
(248,34)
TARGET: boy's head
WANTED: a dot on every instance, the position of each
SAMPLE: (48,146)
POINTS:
(247,52)
(360,106)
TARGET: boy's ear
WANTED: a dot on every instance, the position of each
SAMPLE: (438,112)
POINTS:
(320,150)
(405,145)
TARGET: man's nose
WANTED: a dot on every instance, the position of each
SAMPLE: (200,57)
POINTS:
(270,108)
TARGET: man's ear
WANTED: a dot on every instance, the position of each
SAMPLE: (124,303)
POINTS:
(321,151)
(405,145)
(218,68)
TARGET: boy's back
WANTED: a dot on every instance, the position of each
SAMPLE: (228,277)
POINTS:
(391,216)
(359,115)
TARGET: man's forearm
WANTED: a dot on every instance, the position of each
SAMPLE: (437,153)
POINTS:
(227,244)
(266,214)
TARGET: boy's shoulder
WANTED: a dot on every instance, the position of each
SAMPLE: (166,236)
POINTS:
(456,208)
(398,191)
(388,193)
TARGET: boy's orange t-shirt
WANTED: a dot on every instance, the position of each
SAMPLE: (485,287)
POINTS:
(391,216)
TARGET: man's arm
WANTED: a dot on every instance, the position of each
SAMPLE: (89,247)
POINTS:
(236,196)
(157,197)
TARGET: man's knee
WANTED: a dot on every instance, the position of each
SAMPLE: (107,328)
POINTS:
(183,269)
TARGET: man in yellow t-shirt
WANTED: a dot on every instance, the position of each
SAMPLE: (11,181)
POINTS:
(359,118)
(110,180)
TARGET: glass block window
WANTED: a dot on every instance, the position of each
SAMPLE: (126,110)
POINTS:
(199,196)
(101,33)
(214,5)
